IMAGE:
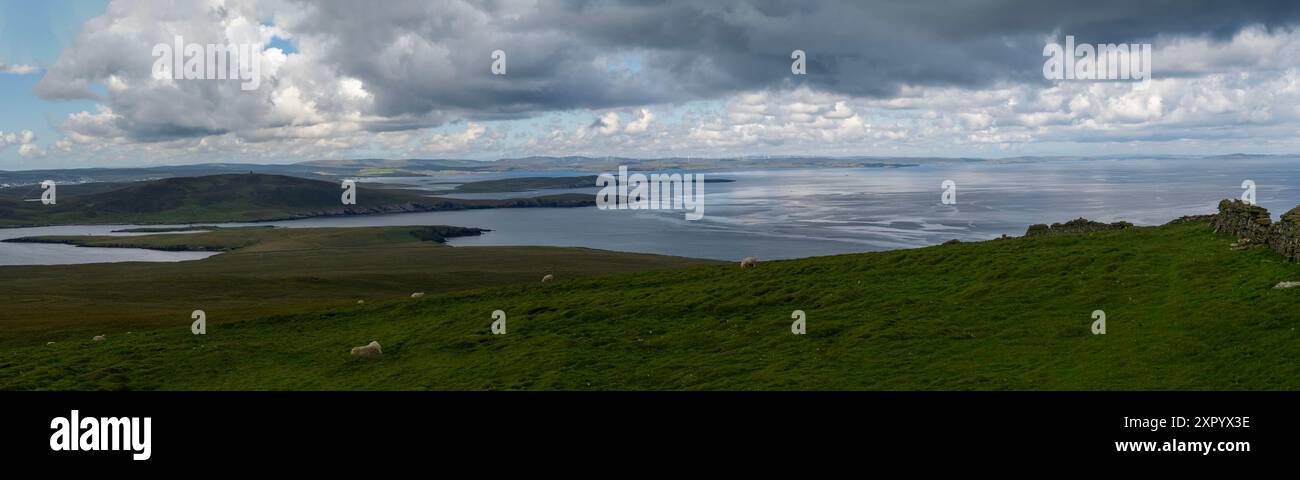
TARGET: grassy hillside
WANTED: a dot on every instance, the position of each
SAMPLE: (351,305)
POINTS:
(272,271)
(229,198)
(1184,312)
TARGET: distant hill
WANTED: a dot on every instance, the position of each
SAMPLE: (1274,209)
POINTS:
(415,167)
(232,198)
(135,174)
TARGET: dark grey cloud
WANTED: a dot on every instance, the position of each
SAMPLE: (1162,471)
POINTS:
(689,50)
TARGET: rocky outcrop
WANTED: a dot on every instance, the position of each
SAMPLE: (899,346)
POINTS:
(1243,220)
(1208,218)
(1078,225)
(1284,236)
(1251,225)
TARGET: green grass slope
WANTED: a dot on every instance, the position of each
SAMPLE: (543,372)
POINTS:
(272,271)
(1183,311)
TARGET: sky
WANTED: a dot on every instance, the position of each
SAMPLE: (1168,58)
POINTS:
(82,84)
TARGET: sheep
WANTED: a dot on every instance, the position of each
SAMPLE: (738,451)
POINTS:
(361,302)
(748,262)
(417,294)
(1287,285)
(548,278)
(370,351)
(98,338)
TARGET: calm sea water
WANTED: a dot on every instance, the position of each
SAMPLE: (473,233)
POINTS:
(799,213)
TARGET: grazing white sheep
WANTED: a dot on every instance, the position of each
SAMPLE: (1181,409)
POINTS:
(548,278)
(417,294)
(370,350)
(1287,285)
(748,262)
(361,302)
(98,338)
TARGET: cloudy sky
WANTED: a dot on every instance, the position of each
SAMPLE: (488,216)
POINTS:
(414,79)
